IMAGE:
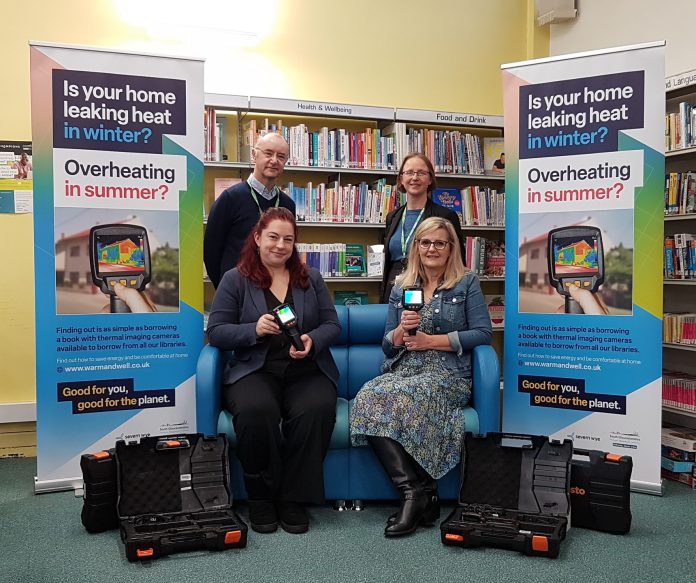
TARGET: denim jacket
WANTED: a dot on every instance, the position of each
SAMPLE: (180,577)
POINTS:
(460,312)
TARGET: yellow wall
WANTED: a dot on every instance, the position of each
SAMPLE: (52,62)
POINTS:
(441,55)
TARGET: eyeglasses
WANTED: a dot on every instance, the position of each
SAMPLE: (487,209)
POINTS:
(438,244)
(270,154)
(418,173)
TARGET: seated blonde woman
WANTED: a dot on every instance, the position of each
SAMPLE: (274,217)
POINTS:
(412,415)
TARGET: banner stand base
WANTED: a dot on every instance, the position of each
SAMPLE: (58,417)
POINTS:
(46,486)
(657,489)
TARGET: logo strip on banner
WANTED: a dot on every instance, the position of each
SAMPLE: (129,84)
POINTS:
(583,343)
(119,326)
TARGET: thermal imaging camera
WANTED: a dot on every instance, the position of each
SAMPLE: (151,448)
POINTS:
(575,256)
(287,320)
(119,254)
(413,299)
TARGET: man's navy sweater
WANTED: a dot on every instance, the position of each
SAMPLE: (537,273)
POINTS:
(232,217)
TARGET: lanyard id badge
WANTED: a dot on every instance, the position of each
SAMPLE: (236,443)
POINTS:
(256,200)
(405,240)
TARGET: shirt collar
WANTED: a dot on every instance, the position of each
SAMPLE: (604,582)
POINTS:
(261,189)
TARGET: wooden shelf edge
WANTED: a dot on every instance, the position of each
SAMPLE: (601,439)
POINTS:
(679,411)
(678,346)
(684,217)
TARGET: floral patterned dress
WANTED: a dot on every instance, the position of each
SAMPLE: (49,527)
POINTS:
(420,404)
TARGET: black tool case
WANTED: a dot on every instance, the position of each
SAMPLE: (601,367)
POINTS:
(174,496)
(514,494)
(99,482)
(600,491)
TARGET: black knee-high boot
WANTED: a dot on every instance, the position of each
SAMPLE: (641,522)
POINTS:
(432,512)
(399,468)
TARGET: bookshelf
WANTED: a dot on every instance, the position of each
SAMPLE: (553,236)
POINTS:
(329,146)
(680,218)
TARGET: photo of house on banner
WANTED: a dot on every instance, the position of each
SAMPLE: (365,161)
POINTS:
(98,248)
(594,253)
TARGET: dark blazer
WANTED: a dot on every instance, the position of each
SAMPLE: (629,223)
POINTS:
(394,219)
(238,305)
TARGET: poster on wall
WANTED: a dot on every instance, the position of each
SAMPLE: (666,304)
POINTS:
(584,139)
(16,177)
(118,188)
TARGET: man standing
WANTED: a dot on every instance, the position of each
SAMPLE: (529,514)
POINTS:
(237,209)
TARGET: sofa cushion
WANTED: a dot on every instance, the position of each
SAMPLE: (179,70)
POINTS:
(366,324)
(364,364)
(340,356)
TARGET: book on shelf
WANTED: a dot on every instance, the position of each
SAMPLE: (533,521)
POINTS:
(350,298)
(679,390)
(680,256)
(493,149)
(334,259)
(682,438)
(355,260)
(209,129)
(351,203)
(679,328)
(367,148)
(679,127)
(674,453)
(485,257)
(450,198)
(450,151)
(685,478)
(482,206)
(213,137)
(494,260)
(397,132)
(676,466)
(248,140)
(375,260)
(222,184)
(680,193)
(496,309)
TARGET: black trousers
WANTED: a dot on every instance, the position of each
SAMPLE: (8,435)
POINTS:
(283,425)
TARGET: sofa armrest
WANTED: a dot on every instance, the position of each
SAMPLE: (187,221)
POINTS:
(211,363)
(486,387)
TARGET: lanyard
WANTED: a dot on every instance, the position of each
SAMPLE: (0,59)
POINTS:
(410,233)
(256,200)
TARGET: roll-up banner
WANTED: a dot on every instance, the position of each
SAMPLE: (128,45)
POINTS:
(584,139)
(118,188)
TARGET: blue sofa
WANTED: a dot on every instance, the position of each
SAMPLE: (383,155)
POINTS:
(351,473)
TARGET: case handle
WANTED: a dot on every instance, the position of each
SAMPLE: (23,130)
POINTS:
(528,440)
(168,443)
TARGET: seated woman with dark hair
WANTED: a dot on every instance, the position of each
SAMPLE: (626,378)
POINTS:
(412,415)
(283,400)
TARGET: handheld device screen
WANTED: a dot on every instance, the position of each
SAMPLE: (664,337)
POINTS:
(120,254)
(575,256)
(285,314)
(413,296)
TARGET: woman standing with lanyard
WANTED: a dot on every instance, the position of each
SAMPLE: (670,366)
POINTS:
(417,179)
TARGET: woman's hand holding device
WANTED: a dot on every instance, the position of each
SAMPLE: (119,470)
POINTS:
(266,325)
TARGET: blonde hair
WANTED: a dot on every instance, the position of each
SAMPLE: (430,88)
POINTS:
(454,268)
